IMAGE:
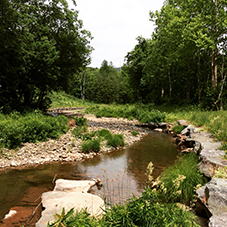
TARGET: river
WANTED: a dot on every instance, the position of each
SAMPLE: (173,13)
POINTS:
(122,173)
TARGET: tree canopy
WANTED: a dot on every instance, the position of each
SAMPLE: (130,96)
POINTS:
(184,61)
(42,46)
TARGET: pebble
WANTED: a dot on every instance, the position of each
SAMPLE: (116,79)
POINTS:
(62,150)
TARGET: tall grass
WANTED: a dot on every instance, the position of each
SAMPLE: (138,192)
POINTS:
(146,210)
(91,145)
(16,129)
(60,99)
(179,181)
(144,113)
(214,122)
(158,206)
(92,140)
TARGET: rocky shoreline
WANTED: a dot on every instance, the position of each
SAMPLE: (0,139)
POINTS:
(67,147)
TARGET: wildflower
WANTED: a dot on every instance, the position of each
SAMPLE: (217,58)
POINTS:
(178,192)
(149,171)
(178,180)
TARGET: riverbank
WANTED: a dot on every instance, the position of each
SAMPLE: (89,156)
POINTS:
(68,148)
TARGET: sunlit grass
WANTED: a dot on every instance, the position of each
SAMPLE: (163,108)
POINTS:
(61,99)
(214,122)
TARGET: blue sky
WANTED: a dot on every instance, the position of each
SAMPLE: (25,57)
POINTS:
(115,25)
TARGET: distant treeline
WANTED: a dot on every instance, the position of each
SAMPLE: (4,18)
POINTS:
(44,48)
(183,62)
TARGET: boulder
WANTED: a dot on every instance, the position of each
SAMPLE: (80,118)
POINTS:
(69,194)
(188,130)
(182,122)
(153,125)
(213,196)
(218,220)
(210,161)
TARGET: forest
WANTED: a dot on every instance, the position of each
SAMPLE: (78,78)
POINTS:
(44,48)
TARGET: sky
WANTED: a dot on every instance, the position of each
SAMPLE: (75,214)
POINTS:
(115,25)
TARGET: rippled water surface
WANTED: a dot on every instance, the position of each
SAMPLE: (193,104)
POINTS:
(122,173)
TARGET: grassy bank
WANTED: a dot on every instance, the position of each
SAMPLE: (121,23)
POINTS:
(214,122)
(37,127)
(16,128)
(61,99)
(160,206)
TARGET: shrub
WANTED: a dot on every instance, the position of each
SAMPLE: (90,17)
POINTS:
(80,121)
(116,140)
(78,131)
(32,127)
(178,128)
(106,134)
(178,182)
(72,219)
(91,146)
(148,210)
(134,133)
(141,112)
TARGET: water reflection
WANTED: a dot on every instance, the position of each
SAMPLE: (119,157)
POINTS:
(122,172)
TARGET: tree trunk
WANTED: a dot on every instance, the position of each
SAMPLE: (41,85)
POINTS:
(188,84)
(215,71)
(215,52)
(170,87)
(199,81)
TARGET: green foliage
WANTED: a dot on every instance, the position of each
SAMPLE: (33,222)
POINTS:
(106,134)
(105,85)
(178,182)
(62,218)
(134,133)
(178,128)
(91,145)
(213,121)
(78,131)
(32,127)
(146,210)
(61,98)
(72,219)
(80,121)
(38,55)
(144,113)
(116,140)
(221,172)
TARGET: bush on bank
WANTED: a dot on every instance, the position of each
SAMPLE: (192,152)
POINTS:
(178,183)
(147,210)
(144,113)
(16,129)
(92,140)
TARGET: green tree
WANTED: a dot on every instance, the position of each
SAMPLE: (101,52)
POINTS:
(42,46)
(136,61)
(206,27)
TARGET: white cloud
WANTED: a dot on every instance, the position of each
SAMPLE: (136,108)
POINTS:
(115,25)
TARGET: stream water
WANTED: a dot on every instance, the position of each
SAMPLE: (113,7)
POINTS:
(122,173)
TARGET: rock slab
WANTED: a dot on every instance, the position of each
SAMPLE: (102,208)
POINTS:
(214,195)
(69,194)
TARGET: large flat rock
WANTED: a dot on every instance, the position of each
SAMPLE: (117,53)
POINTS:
(69,194)
(73,186)
(210,155)
(214,196)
